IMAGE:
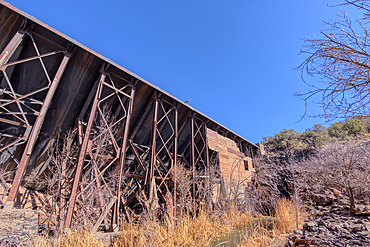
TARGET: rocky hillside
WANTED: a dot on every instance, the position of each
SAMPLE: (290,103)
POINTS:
(331,182)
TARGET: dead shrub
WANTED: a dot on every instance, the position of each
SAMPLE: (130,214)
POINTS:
(340,165)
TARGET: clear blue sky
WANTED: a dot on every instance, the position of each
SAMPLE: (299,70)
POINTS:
(232,59)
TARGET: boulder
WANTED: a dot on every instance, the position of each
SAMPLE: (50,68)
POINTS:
(323,200)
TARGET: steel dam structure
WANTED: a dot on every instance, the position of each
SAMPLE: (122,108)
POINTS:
(94,142)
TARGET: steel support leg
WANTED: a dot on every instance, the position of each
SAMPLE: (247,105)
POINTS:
(36,129)
(5,57)
(82,153)
(207,171)
(153,147)
(193,161)
(10,48)
(123,150)
(175,140)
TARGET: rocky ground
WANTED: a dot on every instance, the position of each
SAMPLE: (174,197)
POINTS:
(334,226)
(333,223)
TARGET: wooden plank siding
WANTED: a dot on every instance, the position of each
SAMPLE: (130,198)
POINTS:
(231,160)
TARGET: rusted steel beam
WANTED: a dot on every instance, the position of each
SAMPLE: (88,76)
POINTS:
(179,131)
(207,171)
(20,113)
(103,214)
(137,156)
(20,97)
(175,140)
(79,132)
(30,59)
(14,57)
(82,153)
(4,120)
(153,158)
(135,176)
(5,57)
(141,177)
(120,107)
(10,48)
(53,87)
(193,160)
(99,174)
(108,129)
(36,129)
(63,191)
(162,147)
(161,163)
(40,59)
(10,144)
(101,200)
(123,148)
(115,90)
(160,175)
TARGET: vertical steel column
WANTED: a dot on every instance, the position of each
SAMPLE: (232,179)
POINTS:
(10,48)
(36,129)
(123,151)
(82,152)
(175,140)
(208,172)
(193,161)
(153,147)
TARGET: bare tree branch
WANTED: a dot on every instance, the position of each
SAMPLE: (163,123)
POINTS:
(339,58)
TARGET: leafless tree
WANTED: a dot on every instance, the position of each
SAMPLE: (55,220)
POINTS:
(100,178)
(339,58)
(363,5)
(263,192)
(183,183)
(97,185)
(343,166)
(56,179)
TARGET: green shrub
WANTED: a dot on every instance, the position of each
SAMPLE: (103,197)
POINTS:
(337,130)
(366,121)
(315,137)
(355,127)
(284,140)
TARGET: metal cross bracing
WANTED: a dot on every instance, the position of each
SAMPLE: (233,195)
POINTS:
(127,142)
(102,152)
(23,108)
(200,162)
(162,155)
(149,174)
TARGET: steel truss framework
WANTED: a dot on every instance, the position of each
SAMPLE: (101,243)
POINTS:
(130,135)
(20,109)
(102,141)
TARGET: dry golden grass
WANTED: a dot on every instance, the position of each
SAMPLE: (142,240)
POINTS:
(285,214)
(70,239)
(185,232)
(259,237)
(188,231)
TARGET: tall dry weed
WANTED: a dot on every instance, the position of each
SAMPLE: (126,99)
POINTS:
(69,239)
(285,213)
(285,222)
(258,237)
(187,231)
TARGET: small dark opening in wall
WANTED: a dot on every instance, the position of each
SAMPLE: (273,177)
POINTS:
(246,165)
(214,161)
